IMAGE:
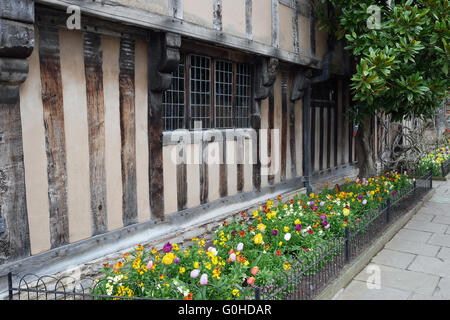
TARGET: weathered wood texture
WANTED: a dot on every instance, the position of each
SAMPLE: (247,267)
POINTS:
(271,177)
(128,130)
(15,242)
(93,61)
(163,58)
(223,172)
(52,100)
(284,124)
(204,190)
(182,177)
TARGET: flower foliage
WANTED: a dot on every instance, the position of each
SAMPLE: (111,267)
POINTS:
(433,161)
(251,250)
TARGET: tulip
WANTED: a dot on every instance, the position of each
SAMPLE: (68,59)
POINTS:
(233,257)
(204,279)
(250,280)
(298,227)
(150,264)
(195,273)
(287,236)
(167,247)
(255,270)
(240,246)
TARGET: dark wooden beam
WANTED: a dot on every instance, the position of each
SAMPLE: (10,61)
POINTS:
(271,116)
(128,130)
(93,62)
(163,59)
(284,117)
(52,100)
(16,44)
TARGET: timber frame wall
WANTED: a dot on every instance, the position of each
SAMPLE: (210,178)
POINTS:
(85,165)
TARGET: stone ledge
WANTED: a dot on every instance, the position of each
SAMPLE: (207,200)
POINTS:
(351,270)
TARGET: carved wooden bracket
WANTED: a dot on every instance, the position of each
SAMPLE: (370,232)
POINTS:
(16,44)
(164,58)
(301,81)
(265,75)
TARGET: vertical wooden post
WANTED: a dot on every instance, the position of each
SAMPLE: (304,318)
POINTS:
(163,59)
(128,130)
(284,116)
(52,101)
(93,61)
(16,44)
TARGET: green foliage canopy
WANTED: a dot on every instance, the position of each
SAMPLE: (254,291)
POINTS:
(402,65)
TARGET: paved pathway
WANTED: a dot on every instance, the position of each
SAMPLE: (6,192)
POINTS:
(415,263)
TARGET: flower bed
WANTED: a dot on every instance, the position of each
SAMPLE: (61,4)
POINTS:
(434,161)
(253,250)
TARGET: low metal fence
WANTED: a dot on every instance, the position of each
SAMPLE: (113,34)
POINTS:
(309,275)
(445,167)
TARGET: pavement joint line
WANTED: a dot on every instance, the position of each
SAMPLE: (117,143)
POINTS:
(349,272)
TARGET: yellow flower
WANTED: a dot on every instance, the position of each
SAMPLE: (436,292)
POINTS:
(216,274)
(236,292)
(208,266)
(286,266)
(311,195)
(257,239)
(168,258)
(175,247)
(280,243)
(261,227)
(255,214)
(182,270)
(196,265)
(297,222)
(286,229)
(346,212)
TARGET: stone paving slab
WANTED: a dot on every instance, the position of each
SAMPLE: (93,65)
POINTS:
(412,247)
(357,290)
(393,258)
(443,289)
(405,280)
(418,296)
(440,240)
(426,226)
(413,235)
(444,253)
(441,219)
(431,265)
(423,217)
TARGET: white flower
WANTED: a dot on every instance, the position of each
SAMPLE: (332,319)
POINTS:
(287,236)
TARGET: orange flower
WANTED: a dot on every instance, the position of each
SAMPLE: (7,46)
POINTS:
(188,297)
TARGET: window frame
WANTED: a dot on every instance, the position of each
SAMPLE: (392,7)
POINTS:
(214,58)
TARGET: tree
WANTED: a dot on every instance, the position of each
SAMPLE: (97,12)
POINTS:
(401,60)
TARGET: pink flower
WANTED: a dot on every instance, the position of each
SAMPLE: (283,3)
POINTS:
(233,257)
(204,279)
(255,270)
(195,273)
(150,264)
(240,246)
(167,247)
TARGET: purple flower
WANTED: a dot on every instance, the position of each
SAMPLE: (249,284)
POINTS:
(325,223)
(274,232)
(240,246)
(327,226)
(359,197)
(298,227)
(311,203)
(314,208)
(322,217)
(322,203)
(176,260)
(167,247)
(394,192)
(195,273)
(204,279)
(233,256)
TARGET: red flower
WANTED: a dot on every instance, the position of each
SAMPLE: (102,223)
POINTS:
(310,231)
(242,233)
(278,253)
(279,198)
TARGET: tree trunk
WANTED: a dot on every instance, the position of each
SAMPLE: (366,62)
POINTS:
(364,149)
